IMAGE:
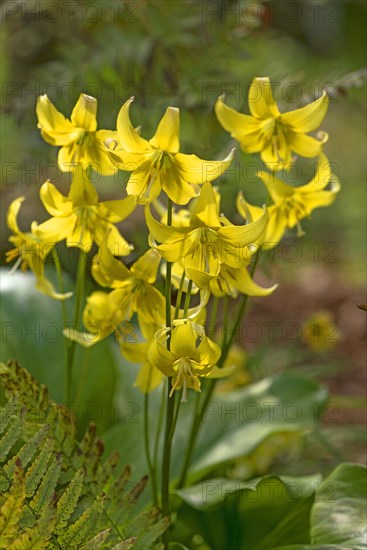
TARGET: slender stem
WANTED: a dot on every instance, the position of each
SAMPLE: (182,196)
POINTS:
(151,468)
(64,313)
(225,319)
(200,410)
(179,295)
(187,299)
(167,446)
(79,294)
(158,432)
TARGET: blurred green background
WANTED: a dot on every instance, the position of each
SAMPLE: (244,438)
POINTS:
(185,53)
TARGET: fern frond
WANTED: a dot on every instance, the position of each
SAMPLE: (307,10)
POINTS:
(39,467)
(96,543)
(149,527)
(47,486)
(86,524)
(10,409)
(11,509)
(125,544)
(10,437)
(38,536)
(26,453)
(68,501)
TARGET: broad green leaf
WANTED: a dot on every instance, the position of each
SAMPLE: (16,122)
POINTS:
(340,511)
(259,514)
(32,334)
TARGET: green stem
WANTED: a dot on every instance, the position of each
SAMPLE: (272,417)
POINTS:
(187,299)
(158,432)
(179,295)
(79,294)
(167,445)
(151,467)
(200,410)
(225,319)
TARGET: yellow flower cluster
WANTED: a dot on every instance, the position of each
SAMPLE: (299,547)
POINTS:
(203,250)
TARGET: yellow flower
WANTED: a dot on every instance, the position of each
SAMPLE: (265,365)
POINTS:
(277,221)
(78,137)
(191,355)
(81,219)
(273,134)
(295,203)
(157,164)
(31,251)
(134,290)
(231,281)
(206,244)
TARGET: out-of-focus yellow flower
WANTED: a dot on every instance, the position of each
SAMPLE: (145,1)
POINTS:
(81,219)
(271,133)
(134,290)
(320,332)
(78,137)
(31,251)
(157,164)
(292,204)
(191,355)
(206,244)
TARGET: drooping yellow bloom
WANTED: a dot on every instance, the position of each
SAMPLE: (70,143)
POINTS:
(134,291)
(271,133)
(157,164)
(206,244)
(78,137)
(81,219)
(31,251)
(292,204)
(191,355)
(231,281)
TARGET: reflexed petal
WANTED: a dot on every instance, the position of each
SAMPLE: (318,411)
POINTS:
(55,128)
(95,154)
(244,234)
(260,99)
(309,117)
(117,210)
(129,138)
(54,202)
(195,170)
(149,378)
(85,112)
(55,229)
(278,190)
(183,340)
(205,211)
(67,156)
(166,137)
(128,161)
(247,211)
(238,124)
(115,241)
(176,187)
(217,373)
(304,145)
(321,178)
(107,270)
(146,266)
(12,215)
(144,183)
(136,352)
(82,191)
(207,352)
(173,251)
(150,305)
(159,356)
(45,286)
(246,285)
(162,233)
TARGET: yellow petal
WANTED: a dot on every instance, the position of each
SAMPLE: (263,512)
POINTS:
(149,378)
(146,266)
(95,154)
(304,145)
(278,190)
(107,270)
(54,202)
(129,138)
(183,340)
(195,170)
(82,191)
(201,265)
(117,210)
(166,137)
(161,232)
(176,187)
(150,305)
(56,229)
(205,211)
(260,99)
(207,353)
(321,178)
(12,215)
(46,287)
(105,231)
(244,283)
(55,128)
(217,373)
(159,356)
(309,117)
(238,124)
(242,235)
(145,182)
(84,113)
(67,157)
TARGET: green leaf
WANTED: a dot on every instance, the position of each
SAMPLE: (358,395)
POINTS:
(339,514)
(25,454)
(68,501)
(32,334)
(47,487)
(38,468)
(11,437)
(258,514)
(86,524)
(11,509)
